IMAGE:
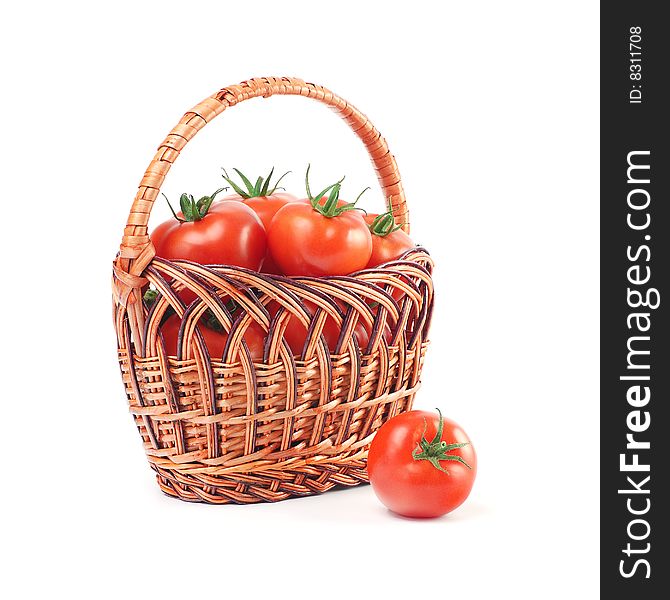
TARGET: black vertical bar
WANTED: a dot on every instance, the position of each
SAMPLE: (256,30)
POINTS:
(635,265)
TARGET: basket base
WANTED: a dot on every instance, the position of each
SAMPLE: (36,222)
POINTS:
(256,487)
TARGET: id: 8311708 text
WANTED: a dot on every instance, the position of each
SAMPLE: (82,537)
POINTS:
(635,67)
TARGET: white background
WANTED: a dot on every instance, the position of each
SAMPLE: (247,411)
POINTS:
(491,109)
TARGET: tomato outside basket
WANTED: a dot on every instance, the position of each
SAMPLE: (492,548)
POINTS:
(224,429)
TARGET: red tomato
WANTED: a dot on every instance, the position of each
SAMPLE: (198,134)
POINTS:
(209,232)
(265,201)
(305,242)
(215,341)
(388,242)
(389,247)
(229,233)
(320,236)
(415,477)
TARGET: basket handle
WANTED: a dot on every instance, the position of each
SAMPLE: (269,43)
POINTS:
(136,249)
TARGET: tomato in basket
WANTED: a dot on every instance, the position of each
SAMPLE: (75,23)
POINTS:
(209,233)
(389,241)
(264,199)
(317,237)
(214,336)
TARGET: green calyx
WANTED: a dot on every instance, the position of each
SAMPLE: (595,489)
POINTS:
(436,450)
(192,209)
(330,207)
(150,297)
(212,322)
(258,190)
(383,225)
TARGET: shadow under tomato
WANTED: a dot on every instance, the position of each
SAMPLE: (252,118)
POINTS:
(468,510)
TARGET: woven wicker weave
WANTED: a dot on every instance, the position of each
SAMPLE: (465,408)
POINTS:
(223,429)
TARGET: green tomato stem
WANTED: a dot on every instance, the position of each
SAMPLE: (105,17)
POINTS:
(436,450)
(260,189)
(330,207)
(383,225)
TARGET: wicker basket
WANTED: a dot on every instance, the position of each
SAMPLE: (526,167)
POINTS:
(223,429)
